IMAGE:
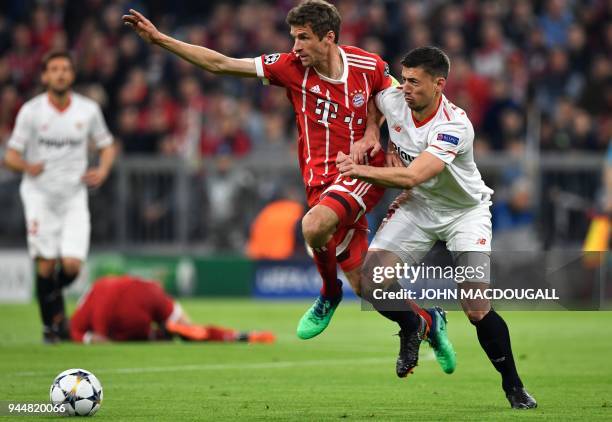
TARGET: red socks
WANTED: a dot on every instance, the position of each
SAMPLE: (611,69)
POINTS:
(325,258)
(418,310)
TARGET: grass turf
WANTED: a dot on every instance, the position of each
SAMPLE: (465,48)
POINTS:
(346,373)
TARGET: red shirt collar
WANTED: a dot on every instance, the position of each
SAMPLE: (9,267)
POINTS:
(57,106)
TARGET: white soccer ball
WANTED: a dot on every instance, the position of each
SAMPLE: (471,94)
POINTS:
(78,390)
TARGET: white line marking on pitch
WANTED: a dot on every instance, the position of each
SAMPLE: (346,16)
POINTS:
(222,366)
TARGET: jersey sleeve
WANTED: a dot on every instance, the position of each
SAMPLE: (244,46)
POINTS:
(274,68)
(23,131)
(382,77)
(98,131)
(449,139)
(384,98)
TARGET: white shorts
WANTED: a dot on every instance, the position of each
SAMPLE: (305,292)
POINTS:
(57,227)
(414,228)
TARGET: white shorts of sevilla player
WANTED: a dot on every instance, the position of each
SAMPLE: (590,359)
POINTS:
(413,229)
(57,226)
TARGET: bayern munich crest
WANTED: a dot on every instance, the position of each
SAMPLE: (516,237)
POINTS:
(358,98)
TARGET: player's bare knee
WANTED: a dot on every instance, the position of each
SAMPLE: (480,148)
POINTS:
(45,267)
(71,266)
(316,230)
(310,231)
(475,309)
(476,315)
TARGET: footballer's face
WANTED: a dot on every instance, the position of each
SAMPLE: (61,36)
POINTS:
(420,89)
(310,49)
(58,76)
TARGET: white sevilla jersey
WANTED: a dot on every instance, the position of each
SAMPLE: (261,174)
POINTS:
(59,138)
(448,134)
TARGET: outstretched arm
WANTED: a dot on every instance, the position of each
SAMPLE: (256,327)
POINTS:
(207,59)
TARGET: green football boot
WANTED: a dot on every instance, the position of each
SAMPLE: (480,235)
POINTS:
(438,340)
(316,319)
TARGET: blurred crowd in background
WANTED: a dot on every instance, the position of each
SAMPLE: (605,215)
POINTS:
(510,60)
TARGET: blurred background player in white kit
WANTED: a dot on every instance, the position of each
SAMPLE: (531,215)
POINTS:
(49,144)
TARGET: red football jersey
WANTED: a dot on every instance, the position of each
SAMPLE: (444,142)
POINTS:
(121,308)
(330,114)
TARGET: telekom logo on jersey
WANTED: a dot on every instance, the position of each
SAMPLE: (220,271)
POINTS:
(325,112)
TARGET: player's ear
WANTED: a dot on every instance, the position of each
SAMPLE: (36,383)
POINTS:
(440,84)
(331,37)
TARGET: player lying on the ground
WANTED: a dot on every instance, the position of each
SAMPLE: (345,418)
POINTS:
(128,308)
(330,86)
(448,201)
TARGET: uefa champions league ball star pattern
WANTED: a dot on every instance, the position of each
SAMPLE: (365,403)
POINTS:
(78,390)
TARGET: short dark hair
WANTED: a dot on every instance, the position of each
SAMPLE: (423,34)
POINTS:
(54,55)
(319,14)
(433,60)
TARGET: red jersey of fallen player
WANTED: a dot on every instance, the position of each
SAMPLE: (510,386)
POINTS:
(330,114)
(121,308)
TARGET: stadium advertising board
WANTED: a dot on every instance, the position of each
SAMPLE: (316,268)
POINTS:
(293,279)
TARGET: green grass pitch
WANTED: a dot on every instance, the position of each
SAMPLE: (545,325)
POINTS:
(347,373)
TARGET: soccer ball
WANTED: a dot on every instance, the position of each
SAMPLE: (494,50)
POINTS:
(78,390)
